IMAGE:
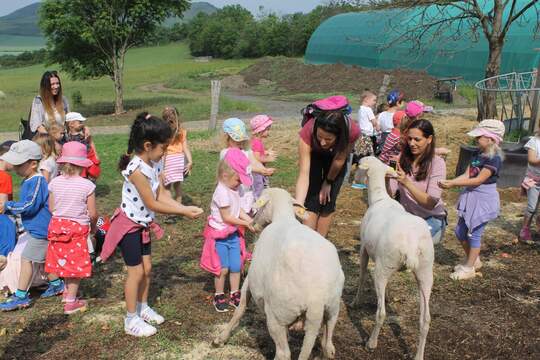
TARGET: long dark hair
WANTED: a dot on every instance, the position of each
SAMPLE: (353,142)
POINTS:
(334,122)
(424,162)
(146,127)
(47,98)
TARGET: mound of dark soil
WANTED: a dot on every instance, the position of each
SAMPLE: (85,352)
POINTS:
(292,75)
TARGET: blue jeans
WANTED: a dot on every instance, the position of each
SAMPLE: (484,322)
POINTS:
(436,228)
(228,250)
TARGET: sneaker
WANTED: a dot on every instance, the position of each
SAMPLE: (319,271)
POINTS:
(53,290)
(359,186)
(234,299)
(525,234)
(477,264)
(137,327)
(14,303)
(220,303)
(74,306)
(150,316)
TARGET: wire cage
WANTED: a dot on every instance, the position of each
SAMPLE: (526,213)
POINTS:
(516,97)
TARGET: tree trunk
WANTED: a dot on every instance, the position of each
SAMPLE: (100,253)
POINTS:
(487,105)
(118,78)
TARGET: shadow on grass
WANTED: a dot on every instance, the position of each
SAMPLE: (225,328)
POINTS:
(37,338)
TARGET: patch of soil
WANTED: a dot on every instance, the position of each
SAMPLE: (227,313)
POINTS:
(294,76)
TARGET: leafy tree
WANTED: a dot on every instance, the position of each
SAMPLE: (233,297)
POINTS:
(90,38)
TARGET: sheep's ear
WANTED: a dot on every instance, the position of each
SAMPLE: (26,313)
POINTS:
(363,166)
(261,202)
(391,172)
(300,211)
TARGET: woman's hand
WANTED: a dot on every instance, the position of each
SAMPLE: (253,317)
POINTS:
(324,194)
(445,184)
(401,175)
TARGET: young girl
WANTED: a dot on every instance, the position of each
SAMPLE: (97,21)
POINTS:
(531,184)
(58,133)
(395,101)
(178,160)
(479,201)
(260,128)
(369,127)
(47,165)
(224,249)
(73,215)
(76,131)
(142,196)
(236,137)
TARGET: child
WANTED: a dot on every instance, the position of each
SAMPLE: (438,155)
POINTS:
(142,196)
(33,208)
(76,131)
(395,101)
(47,165)
(224,249)
(178,160)
(369,127)
(479,201)
(392,145)
(531,184)
(58,133)
(7,226)
(73,213)
(236,137)
(260,128)
(415,109)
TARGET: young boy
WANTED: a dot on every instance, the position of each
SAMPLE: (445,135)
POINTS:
(7,226)
(33,208)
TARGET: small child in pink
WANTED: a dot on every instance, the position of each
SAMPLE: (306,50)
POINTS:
(260,128)
(74,213)
(224,249)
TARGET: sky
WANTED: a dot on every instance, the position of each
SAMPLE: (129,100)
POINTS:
(280,6)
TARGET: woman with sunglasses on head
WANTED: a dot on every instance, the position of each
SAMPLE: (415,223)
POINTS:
(50,106)
(325,145)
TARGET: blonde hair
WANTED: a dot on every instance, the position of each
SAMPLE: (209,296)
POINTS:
(47,145)
(366,94)
(171,115)
(54,128)
(224,169)
(227,139)
(494,150)
(70,169)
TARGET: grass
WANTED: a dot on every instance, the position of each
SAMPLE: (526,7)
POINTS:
(168,64)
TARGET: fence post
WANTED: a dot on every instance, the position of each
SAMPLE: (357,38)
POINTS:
(535,111)
(215,90)
(381,97)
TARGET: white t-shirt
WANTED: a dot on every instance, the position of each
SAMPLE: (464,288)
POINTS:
(49,164)
(365,117)
(223,197)
(534,144)
(386,121)
(246,192)
(132,204)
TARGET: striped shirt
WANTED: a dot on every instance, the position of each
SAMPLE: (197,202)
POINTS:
(71,204)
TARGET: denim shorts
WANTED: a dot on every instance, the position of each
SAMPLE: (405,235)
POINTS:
(437,226)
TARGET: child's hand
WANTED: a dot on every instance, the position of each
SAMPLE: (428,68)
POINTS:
(445,184)
(270,155)
(193,212)
(2,207)
(268,171)
(251,227)
(187,170)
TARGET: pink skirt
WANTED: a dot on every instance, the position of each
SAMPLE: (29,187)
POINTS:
(174,169)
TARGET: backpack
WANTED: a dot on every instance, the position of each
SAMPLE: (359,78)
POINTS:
(332,103)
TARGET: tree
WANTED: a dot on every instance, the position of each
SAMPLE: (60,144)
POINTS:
(90,38)
(444,20)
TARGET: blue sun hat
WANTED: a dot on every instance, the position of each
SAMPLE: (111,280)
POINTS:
(236,129)
(395,96)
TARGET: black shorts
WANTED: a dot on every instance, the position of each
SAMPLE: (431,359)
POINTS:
(319,167)
(133,248)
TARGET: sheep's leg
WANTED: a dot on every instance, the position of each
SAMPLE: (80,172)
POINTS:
(238,313)
(424,278)
(279,334)
(314,317)
(364,259)
(329,351)
(380,279)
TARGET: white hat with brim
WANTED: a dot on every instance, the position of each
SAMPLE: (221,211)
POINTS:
(21,152)
(491,128)
(74,116)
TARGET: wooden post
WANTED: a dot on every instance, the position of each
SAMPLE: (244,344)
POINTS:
(381,98)
(535,111)
(215,90)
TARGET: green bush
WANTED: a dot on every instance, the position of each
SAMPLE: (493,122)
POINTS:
(76,98)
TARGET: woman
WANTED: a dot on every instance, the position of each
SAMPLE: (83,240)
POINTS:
(50,105)
(324,147)
(419,171)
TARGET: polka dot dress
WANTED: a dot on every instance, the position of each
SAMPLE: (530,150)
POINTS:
(132,204)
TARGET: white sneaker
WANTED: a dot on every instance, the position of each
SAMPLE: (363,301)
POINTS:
(137,327)
(150,316)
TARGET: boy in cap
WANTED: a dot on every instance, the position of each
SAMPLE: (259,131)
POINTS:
(33,208)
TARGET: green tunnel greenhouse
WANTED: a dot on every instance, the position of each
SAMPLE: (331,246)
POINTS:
(363,38)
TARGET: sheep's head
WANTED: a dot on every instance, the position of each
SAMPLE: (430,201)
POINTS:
(370,165)
(265,210)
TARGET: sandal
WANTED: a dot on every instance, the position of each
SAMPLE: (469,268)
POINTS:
(463,273)
(477,264)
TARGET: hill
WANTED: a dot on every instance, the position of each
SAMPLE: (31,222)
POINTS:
(24,21)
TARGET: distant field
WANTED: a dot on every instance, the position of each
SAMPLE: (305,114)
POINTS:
(144,67)
(14,44)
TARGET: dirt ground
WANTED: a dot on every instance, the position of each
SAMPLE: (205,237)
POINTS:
(291,74)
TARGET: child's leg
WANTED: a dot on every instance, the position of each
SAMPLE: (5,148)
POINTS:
(462,234)
(144,286)
(134,279)
(235,262)
(177,191)
(222,248)
(25,277)
(219,281)
(475,238)
(72,285)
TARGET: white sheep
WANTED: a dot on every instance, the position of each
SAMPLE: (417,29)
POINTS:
(392,237)
(295,274)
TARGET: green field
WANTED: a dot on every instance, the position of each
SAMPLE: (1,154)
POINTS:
(165,65)
(14,44)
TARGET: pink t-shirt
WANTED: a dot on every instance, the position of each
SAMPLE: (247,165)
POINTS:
(70,195)
(306,133)
(257,146)
(429,185)
(223,197)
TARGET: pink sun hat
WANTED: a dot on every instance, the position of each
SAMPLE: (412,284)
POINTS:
(416,108)
(239,162)
(260,123)
(75,153)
